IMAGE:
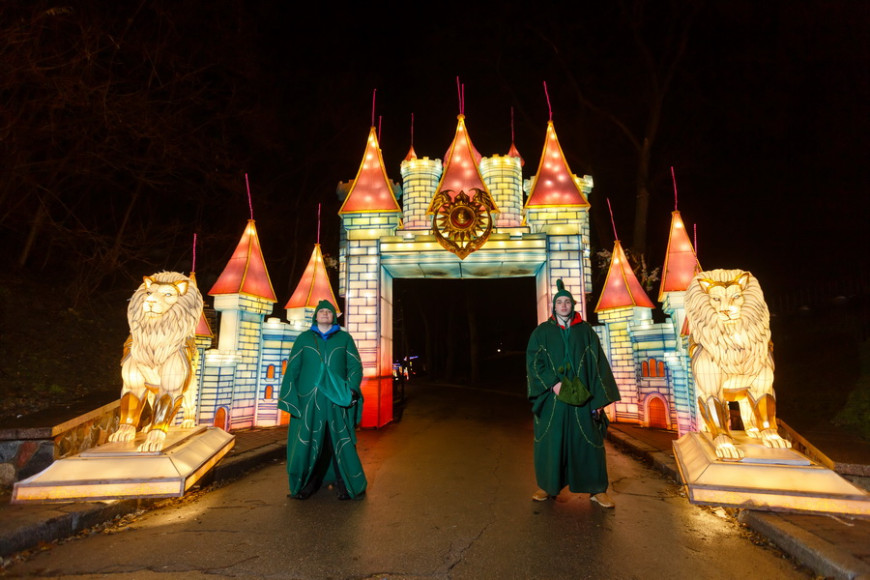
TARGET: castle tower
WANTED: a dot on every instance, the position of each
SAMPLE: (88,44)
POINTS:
(420,177)
(626,311)
(504,177)
(243,294)
(370,212)
(681,266)
(313,287)
(204,336)
(557,207)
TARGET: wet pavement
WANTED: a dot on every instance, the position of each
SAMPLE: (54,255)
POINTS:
(449,489)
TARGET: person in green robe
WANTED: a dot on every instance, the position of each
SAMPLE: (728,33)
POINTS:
(321,391)
(569,384)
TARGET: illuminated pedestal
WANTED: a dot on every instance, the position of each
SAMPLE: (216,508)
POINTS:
(118,471)
(765,479)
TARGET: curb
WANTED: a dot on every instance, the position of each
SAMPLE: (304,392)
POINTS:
(822,557)
(660,460)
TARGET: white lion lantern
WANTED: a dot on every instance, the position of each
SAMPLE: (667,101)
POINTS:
(157,366)
(732,358)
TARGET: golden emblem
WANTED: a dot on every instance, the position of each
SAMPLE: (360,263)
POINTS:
(462,224)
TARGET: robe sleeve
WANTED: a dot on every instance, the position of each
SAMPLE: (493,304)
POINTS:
(598,374)
(354,377)
(540,371)
(288,400)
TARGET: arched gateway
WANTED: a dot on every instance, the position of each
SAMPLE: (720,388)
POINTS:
(463,218)
(468,217)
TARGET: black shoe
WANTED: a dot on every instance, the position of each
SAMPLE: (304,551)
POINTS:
(307,491)
(343,494)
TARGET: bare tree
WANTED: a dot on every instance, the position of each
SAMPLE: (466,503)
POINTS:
(627,88)
(119,128)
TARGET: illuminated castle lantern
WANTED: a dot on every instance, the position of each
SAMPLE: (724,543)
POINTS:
(465,218)
(681,266)
(558,207)
(242,294)
(370,213)
(460,219)
(624,309)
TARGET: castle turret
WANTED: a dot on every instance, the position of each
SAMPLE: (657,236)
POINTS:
(557,207)
(504,177)
(420,177)
(370,212)
(625,310)
(681,266)
(243,294)
(313,287)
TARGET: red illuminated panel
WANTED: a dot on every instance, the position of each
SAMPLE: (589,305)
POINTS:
(621,289)
(681,264)
(461,171)
(202,327)
(246,271)
(514,152)
(554,183)
(314,285)
(377,401)
(371,190)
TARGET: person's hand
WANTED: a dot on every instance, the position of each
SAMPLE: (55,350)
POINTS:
(557,387)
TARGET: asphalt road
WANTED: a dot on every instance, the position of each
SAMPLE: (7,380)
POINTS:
(449,497)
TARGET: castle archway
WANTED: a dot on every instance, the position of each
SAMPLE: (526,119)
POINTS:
(470,331)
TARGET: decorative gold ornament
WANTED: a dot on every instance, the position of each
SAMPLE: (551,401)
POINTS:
(462,224)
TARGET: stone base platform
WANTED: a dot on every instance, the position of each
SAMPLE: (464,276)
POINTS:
(118,471)
(765,479)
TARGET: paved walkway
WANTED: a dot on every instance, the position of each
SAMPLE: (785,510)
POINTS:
(830,546)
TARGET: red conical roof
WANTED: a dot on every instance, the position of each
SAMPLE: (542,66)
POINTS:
(514,152)
(681,264)
(203,328)
(621,289)
(554,183)
(411,154)
(246,271)
(371,189)
(314,285)
(461,165)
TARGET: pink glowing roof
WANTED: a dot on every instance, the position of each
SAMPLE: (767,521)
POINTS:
(554,183)
(621,289)
(681,264)
(514,152)
(314,285)
(371,189)
(246,271)
(202,327)
(411,154)
(461,170)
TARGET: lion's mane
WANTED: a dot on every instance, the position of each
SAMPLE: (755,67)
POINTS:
(153,340)
(741,348)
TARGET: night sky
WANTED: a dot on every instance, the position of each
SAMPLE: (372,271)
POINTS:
(765,122)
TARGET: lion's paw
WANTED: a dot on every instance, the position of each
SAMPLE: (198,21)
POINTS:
(753,433)
(771,439)
(154,441)
(124,433)
(725,448)
(188,424)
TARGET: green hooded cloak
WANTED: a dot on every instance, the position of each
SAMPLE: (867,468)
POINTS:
(569,441)
(321,391)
